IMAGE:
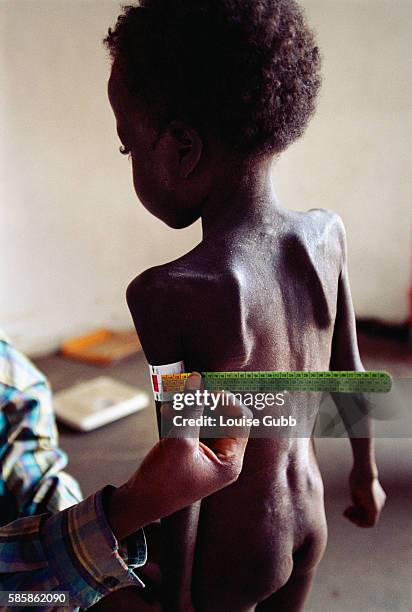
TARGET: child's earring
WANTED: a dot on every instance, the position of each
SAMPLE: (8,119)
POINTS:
(123,150)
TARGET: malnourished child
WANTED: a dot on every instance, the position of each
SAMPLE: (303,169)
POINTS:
(206,95)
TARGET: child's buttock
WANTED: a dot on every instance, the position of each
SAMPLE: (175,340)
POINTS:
(255,533)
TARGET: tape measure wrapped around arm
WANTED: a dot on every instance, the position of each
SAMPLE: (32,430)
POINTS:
(171,378)
(156,376)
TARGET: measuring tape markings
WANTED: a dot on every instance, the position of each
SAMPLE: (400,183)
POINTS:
(337,381)
(156,375)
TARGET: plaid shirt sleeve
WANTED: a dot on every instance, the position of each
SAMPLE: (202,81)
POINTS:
(50,539)
(72,550)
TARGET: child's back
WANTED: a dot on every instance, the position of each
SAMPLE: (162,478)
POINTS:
(281,318)
(258,294)
(266,289)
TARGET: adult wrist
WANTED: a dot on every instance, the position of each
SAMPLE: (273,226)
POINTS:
(122,512)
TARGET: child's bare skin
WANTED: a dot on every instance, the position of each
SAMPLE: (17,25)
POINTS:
(266,289)
(266,284)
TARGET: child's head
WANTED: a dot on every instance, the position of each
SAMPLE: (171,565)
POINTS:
(191,78)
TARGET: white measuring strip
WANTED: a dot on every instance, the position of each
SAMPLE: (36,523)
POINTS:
(156,373)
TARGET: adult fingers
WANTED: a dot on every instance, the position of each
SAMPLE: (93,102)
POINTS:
(186,421)
(236,423)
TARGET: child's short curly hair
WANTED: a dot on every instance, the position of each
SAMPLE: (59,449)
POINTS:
(248,70)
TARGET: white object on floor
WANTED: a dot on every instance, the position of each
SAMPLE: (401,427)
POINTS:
(96,402)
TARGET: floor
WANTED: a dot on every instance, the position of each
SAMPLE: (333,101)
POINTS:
(362,570)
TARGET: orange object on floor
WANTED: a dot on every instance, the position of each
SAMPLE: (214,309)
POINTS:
(102,347)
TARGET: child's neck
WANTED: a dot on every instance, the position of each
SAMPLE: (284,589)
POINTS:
(243,195)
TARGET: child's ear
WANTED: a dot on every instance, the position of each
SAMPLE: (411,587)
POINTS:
(187,147)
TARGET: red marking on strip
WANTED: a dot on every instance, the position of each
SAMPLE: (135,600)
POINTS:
(155,383)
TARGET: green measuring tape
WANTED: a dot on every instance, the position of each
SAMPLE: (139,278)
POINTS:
(251,382)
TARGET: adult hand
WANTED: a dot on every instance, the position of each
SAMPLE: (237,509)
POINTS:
(178,471)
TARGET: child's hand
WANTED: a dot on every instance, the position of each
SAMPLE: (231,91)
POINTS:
(368,499)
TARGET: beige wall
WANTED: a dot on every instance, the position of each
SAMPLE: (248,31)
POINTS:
(356,156)
(72,234)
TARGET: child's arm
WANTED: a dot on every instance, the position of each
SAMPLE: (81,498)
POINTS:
(153,300)
(367,494)
(157,304)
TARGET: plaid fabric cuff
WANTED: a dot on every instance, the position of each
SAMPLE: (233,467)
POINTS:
(84,554)
(20,548)
(133,548)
